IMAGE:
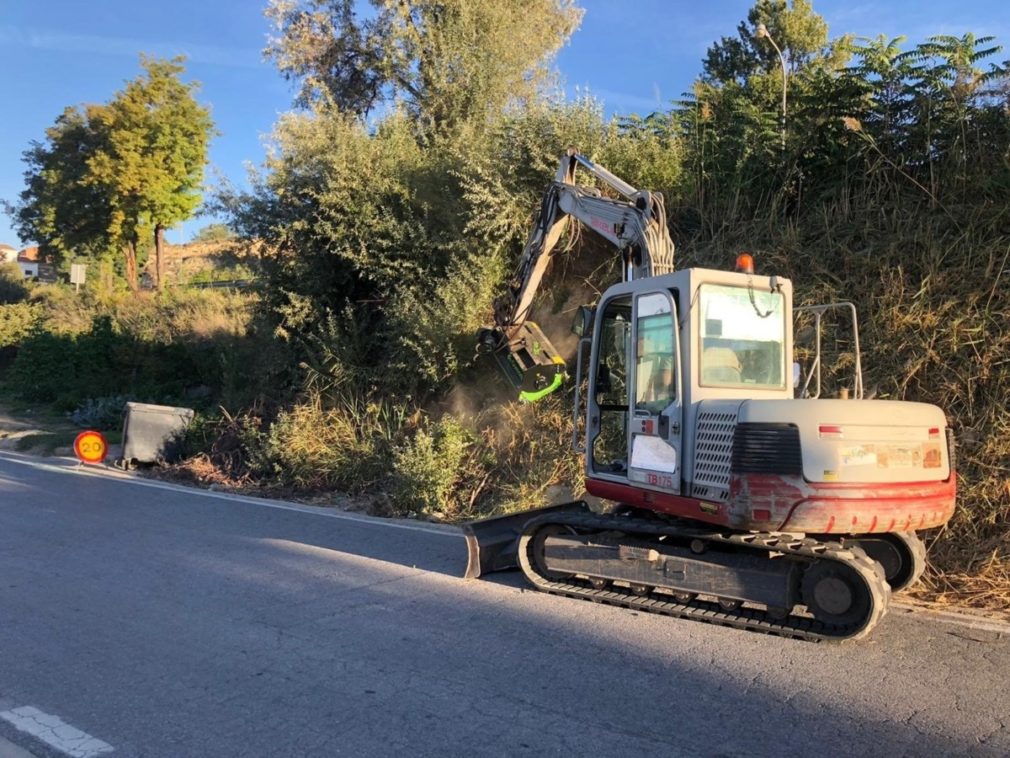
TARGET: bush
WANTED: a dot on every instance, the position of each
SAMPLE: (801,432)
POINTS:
(43,368)
(347,446)
(177,347)
(102,413)
(426,467)
(12,284)
(17,321)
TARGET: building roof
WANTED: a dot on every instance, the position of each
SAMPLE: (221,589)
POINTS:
(6,247)
(29,255)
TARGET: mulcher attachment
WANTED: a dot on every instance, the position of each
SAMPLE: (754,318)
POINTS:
(529,360)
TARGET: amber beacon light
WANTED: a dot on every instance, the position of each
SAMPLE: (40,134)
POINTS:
(745,263)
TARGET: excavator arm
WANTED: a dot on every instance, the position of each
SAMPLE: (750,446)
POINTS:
(634,224)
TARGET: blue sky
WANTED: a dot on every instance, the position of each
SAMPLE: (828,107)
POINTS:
(635,55)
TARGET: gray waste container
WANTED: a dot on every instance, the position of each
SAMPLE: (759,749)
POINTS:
(151,432)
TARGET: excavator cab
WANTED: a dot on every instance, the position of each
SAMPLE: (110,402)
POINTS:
(633,419)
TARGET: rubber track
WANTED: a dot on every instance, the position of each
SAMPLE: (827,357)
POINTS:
(918,550)
(751,619)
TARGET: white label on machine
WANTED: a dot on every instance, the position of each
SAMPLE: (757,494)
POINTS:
(652,454)
(858,455)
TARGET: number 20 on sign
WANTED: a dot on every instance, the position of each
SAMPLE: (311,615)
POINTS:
(91,447)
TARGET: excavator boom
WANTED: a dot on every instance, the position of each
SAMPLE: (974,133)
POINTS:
(634,224)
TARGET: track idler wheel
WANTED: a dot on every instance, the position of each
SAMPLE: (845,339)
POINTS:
(901,554)
(836,594)
(539,558)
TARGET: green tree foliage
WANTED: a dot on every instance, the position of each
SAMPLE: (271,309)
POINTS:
(109,175)
(734,121)
(373,272)
(61,208)
(881,72)
(850,104)
(214,233)
(151,163)
(892,192)
(367,235)
(17,322)
(451,62)
(801,35)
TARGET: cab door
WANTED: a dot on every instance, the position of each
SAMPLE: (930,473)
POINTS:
(654,429)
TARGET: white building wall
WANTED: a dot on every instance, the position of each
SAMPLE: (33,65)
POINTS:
(29,269)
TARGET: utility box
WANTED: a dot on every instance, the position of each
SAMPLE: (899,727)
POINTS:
(151,433)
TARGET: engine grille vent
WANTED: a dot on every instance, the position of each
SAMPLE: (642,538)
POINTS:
(767,449)
(713,455)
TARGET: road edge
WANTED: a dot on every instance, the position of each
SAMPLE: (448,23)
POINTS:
(71,467)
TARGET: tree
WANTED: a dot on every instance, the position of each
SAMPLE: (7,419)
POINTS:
(108,175)
(375,264)
(739,130)
(948,87)
(214,233)
(151,165)
(882,71)
(450,61)
(801,34)
(60,208)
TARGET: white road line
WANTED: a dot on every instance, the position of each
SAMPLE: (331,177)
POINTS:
(55,732)
(443,530)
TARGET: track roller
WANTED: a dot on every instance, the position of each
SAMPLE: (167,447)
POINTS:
(901,554)
(835,593)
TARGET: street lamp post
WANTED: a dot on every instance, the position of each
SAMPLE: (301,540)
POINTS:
(762,33)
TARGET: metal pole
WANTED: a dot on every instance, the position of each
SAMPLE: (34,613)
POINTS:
(762,31)
(783,62)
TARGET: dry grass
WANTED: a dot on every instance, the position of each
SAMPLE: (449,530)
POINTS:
(986,588)
(935,327)
(520,459)
(195,260)
(156,317)
(500,459)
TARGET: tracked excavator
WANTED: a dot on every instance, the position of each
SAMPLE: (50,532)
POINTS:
(741,496)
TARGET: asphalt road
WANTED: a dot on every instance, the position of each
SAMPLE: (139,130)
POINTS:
(149,620)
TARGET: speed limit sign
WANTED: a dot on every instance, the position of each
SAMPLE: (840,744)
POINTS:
(91,447)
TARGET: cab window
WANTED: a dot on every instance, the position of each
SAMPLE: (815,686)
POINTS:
(612,374)
(655,359)
(743,334)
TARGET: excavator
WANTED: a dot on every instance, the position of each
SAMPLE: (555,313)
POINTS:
(740,496)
